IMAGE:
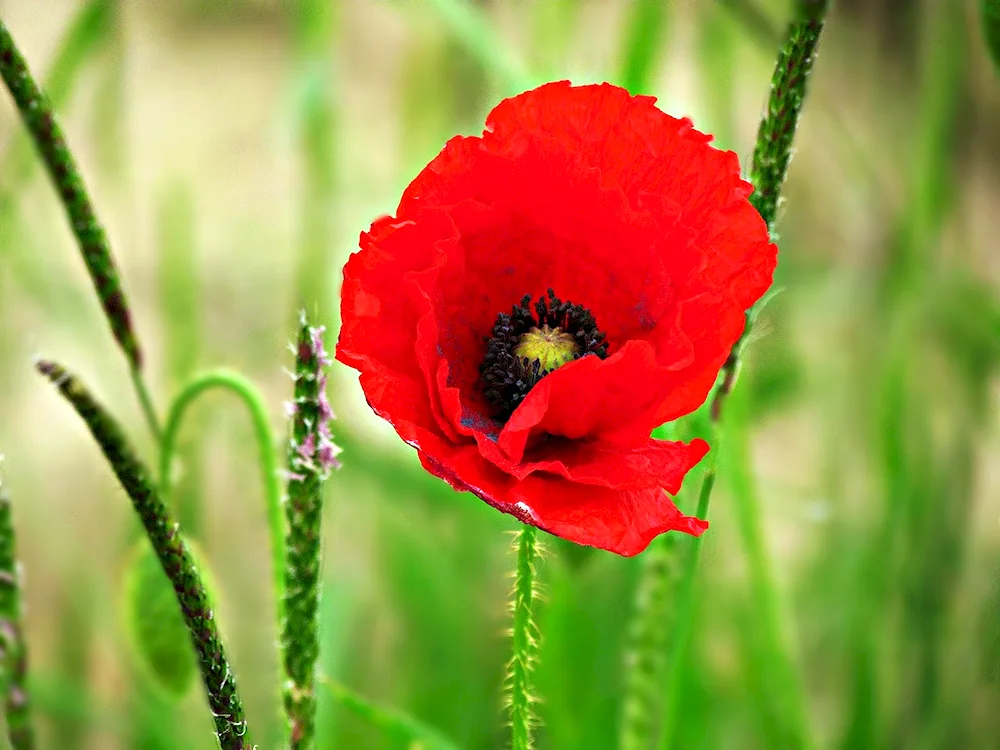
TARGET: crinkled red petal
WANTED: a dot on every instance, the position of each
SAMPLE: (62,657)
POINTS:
(614,205)
(623,520)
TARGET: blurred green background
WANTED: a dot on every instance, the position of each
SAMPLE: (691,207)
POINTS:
(236,148)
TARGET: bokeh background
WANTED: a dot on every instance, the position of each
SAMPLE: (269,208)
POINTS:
(235,150)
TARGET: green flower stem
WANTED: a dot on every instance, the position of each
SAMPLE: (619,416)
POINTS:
(13,651)
(51,143)
(311,455)
(524,637)
(174,556)
(771,158)
(244,390)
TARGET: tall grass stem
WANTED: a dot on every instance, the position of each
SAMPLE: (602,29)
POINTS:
(680,638)
(771,157)
(643,43)
(173,553)
(470,25)
(13,650)
(51,144)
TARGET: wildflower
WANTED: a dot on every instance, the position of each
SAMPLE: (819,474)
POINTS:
(547,294)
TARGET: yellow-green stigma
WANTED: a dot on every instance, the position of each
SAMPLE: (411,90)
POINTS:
(532,341)
(550,347)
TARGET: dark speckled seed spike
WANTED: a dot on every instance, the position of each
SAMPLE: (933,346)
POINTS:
(62,168)
(173,553)
(311,457)
(13,649)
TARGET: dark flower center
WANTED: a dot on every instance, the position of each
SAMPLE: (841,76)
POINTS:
(528,344)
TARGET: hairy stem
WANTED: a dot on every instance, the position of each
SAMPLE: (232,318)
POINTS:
(524,637)
(311,456)
(13,650)
(245,391)
(173,553)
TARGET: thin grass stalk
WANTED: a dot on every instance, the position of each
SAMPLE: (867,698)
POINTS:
(901,305)
(643,44)
(109,113)
(680,637)
(782,677)
(990,14)
(311,457)
(524,639)
(718,51)
(646,653)
(75,637)
(84,38)
(51,144)
(85,35)
(771,157)
(554,26)
(315,27)
(180,310)
(13,650)
(470,25)
(173,553)
(401,727)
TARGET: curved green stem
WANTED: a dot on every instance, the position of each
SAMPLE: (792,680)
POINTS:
(244,390)
(525,642)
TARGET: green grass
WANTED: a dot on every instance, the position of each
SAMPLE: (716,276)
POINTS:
(853,557)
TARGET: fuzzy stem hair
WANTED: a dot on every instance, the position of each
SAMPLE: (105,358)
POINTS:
(524,640)
(311,456)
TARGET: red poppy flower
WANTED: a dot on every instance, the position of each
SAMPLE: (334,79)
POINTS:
(546,295)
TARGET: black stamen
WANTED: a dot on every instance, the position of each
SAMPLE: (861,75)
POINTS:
(507,378)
